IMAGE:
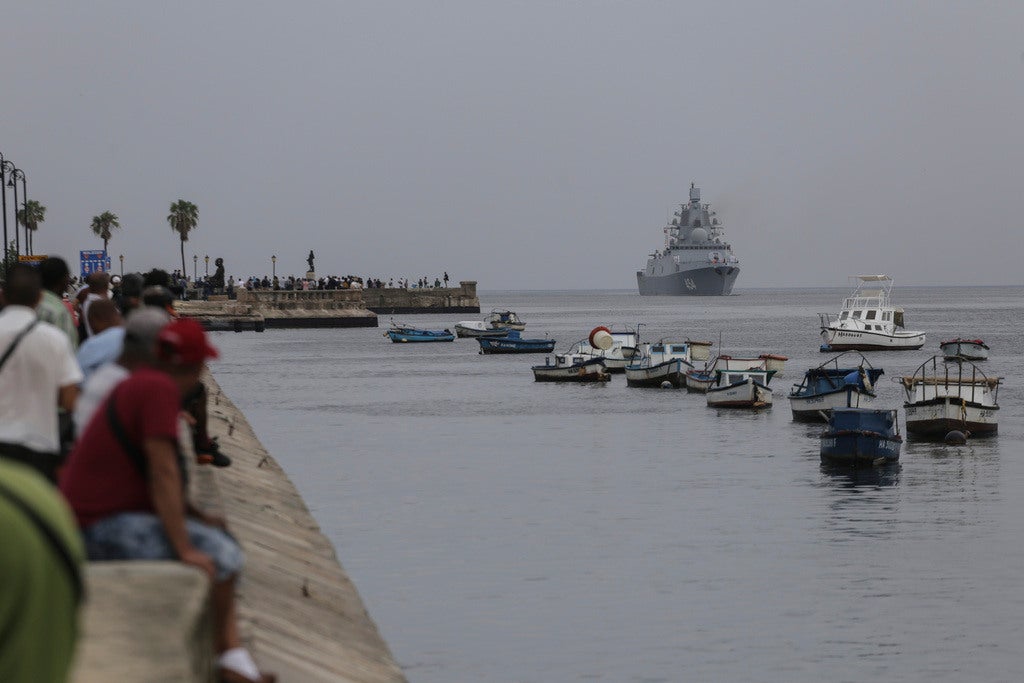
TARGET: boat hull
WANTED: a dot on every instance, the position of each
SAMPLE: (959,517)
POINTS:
(404,337)
(937,417)
(591,371)
(861,436)
(503,345)
(859,448)
(699,382)
(863,340)
(474,333)
(745,394)
(673,372)
(816,407)
(712,280)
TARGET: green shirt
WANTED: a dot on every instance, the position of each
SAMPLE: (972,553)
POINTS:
(52,310)
(38,607)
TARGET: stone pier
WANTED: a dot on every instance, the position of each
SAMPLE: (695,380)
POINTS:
(262,309)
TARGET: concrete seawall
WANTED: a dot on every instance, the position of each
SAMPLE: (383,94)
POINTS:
(299,613)
(263,309)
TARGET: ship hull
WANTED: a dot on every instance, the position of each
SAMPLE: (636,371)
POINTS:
(707,281)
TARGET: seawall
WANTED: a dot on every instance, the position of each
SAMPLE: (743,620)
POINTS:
(299,613)
(264,309)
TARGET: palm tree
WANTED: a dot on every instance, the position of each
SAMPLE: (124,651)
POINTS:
(102,226)
(31,216)
(184,217)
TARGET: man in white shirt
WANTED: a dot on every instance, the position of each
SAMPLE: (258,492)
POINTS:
(38,374)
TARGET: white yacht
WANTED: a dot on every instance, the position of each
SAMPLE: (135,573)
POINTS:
(868,321)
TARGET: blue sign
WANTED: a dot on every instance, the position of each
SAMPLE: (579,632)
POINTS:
(94,261)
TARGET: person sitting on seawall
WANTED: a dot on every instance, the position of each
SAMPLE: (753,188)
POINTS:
(125,482)
(40,578)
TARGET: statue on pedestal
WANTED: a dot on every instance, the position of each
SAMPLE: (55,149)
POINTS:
(217,281)
(309,260)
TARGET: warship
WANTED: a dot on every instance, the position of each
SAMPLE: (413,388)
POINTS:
(695,261)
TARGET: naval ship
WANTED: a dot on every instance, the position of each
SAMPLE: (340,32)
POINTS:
(695,261)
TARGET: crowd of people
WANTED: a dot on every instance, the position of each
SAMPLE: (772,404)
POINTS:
(205,286)
(100,400)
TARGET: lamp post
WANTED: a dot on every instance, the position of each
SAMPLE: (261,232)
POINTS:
(273,265)
(121,259)
(24,200)
(3,190)
(11,183)
(207,259)
(195,267)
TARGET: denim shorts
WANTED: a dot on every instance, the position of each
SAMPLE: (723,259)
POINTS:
(140,536)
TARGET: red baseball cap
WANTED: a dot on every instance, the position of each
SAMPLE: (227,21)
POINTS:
(183,342)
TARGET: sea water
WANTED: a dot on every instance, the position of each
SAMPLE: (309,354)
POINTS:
(504,530)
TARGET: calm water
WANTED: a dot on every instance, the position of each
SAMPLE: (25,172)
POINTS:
(503,530)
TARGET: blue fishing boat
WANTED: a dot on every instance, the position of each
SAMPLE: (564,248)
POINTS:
(845,381)
(861,436)
(400,334)
(514,343)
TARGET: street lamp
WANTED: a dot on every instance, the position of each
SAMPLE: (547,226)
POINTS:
(121,258)
(207,259)
(195,267)
(3,190)
(273,265)
(15,172)
(24,199)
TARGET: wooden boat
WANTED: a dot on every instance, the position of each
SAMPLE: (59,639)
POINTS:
(740,389)
(966,349)
(401,334)
(951,396)
(836,383)
(868,321)
(591,370)
(512,342)
(861,437)
(699,380)
(477,328)
(661,362)
(505,320)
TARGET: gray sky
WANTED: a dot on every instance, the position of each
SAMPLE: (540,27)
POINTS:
(526,144)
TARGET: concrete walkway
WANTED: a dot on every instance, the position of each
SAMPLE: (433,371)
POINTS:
(301,615)
(149,622)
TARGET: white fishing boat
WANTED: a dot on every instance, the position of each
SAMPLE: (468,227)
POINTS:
(664,361)
(966,349)
(616,348)
(505,320)
(699,380)
(740,389)
(868,321)
(951,396)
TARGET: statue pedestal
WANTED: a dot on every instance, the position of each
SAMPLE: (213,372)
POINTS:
(310,275)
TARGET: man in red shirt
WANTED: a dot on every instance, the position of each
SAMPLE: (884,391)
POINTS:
(125,482)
